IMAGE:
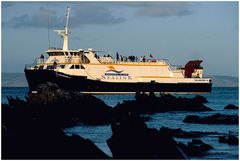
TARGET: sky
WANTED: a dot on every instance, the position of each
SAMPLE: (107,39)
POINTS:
(177,31)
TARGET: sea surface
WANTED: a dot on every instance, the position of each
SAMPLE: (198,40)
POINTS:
(218,99)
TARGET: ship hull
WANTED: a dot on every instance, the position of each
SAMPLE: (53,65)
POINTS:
(81,83)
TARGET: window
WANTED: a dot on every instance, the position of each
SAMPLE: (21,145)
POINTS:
(66,53)
(62,66)
(76,66)
(82,67)
(55,53)
(72,67)
(50,67)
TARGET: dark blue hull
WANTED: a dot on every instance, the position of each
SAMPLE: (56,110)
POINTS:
(80,83)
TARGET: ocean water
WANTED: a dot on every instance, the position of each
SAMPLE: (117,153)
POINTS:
(218,99)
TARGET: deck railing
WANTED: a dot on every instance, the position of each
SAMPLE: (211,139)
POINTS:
(148,61)
(37,61)
(41,61)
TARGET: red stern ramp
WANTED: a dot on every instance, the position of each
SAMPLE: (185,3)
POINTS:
(190,66)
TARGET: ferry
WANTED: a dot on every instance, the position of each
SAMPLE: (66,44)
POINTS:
(91,72)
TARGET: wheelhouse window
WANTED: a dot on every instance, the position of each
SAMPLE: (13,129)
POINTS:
(75,53)
(77,67)
(55,53)
(82,67)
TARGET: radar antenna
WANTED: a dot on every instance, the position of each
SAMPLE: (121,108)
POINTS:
(64,33)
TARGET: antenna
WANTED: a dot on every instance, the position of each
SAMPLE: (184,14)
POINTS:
(48,32)
(64,33)
(68,12)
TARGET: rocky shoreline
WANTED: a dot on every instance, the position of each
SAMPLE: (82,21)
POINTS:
(32,129)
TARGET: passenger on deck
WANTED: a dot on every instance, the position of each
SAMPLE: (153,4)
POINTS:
(54,64)
(42,58)
(144,59)
(117,56)
(131,58)
(109,56)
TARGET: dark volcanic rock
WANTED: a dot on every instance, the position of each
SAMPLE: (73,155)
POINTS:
(230,139)
(132,139)
(213,119)
(145,104)
(60,106)
(179,133)
(195,148)
(31,129)
(231,107)
(200,99)
(40,140)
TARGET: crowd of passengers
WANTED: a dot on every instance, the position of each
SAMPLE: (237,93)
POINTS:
(125,58)
(119,57)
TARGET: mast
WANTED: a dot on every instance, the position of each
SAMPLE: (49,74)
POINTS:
(64,33)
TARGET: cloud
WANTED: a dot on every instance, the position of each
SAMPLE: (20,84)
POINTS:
(7,4)
(39,19)
(94,14)
(162,9)
(80,15)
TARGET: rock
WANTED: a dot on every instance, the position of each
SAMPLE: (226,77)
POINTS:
(65,107)
(230,139)
(195,148)
(213,119)
(31,129)
(233,140)
(179,133)
(38,140)
(200,99)
(132,139)
(231,107)
(145,104)
(15,101)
